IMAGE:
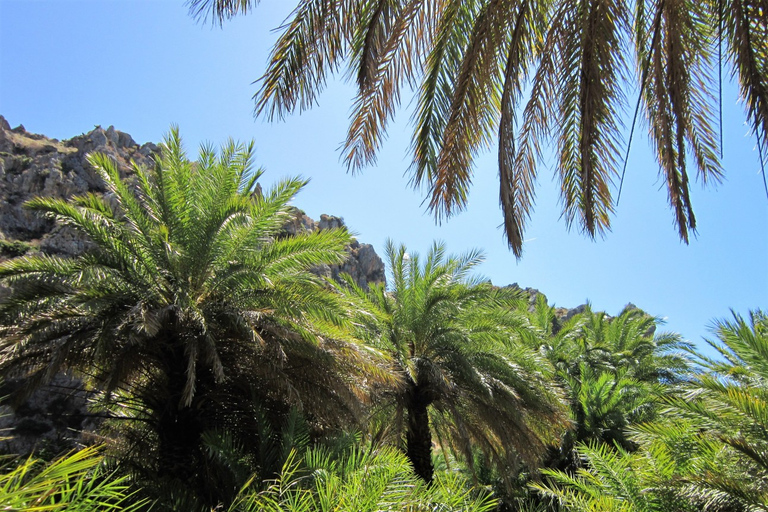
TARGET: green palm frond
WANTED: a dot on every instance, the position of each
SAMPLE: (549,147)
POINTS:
(456,340)
(442,64)
(517,179)
(75,482)
(361,481)
(728,406)
(746,34)
(679,114)
(613,480)
(472,109)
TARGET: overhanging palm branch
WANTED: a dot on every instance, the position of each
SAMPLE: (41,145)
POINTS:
(523,73)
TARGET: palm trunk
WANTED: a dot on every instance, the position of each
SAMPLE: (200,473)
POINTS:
(179,429)
(419,436)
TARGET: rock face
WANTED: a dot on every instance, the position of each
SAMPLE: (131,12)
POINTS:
(562,315)
(52,420)
(363,264)
(33,165)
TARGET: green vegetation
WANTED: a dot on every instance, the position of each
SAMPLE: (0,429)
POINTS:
(14,248)
(190,315)
(18,164)
(707,452)
(74,483)
(234,378)
(613,370)
(362,481)
(468,378)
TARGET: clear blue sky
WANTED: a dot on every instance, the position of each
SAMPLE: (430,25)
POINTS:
(141,65)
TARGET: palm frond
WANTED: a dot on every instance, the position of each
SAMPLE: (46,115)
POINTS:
(471,61)
(472,108)
(72,482)
(517,183)
(309,48)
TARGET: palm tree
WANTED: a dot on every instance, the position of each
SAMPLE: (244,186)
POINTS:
(468,379)
(190,310)
(706,452)
(727,405)
(522,73)
(629,342)
(613,370)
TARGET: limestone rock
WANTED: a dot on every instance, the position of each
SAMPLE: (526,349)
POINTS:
(363,264)
(33,165)
(53,419)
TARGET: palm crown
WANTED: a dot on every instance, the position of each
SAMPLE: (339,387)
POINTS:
(729,406)
(613,370)
(454,338)
(707,452)
(190,304)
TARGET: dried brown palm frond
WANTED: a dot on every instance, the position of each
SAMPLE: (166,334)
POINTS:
(680,115)
(311,47)
(473,108)
(516,192)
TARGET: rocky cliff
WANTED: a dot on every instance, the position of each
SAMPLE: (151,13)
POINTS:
(34,165)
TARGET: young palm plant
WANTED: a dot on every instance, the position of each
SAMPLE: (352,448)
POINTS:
(360,481)
(73,483)
(616,481)
(469,382)
(189,309)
